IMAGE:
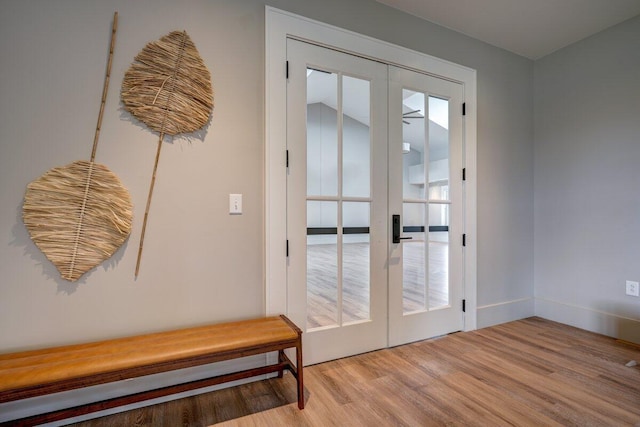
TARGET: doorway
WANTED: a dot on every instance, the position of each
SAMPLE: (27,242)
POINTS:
(434,232)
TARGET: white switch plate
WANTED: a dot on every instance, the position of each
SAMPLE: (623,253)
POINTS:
(235,204)
(633,288)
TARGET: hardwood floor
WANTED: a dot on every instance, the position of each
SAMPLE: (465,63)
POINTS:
(531,372)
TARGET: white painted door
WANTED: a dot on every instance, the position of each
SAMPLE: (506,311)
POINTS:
(349,287)
(336,201)
(425,197)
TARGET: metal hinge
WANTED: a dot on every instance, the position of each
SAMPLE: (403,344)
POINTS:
(464,108)
(287,160)
(464,240)
(464,305)
(287,69)
(287,248)
(464,174)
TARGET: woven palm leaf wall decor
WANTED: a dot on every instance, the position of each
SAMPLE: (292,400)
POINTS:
(168,88)
(79,214)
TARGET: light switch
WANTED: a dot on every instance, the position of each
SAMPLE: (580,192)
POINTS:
(235,204)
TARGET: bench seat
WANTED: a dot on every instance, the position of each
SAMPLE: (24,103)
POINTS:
(51,370)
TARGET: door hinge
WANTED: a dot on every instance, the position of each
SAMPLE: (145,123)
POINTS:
(287,160)
(464,240)
(464,108)
(464,305)
(287,69)
(287,248)
(464,174)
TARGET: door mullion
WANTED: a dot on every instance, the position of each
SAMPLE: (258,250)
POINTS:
(340,192)
(427,196)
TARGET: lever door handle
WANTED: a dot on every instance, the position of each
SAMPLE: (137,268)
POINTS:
(395,226)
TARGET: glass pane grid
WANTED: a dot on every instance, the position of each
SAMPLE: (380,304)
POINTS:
(322,133)
(426,201)
(322,264)
(338,200)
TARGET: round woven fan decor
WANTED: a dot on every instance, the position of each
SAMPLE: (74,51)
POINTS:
(168,86)
(78,215)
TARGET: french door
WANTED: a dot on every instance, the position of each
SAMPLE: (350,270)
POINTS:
(425,195)
(336,201)
(371,203)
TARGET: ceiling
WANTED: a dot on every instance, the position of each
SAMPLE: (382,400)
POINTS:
(530,28)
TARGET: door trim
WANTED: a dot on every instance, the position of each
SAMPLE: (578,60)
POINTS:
(279,25)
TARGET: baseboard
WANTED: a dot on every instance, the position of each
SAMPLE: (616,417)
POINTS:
(507,311)
(601,322)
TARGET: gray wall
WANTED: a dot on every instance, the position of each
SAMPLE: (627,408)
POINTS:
(199,263)
(587,178)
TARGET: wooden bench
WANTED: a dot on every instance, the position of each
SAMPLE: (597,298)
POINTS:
(42,372)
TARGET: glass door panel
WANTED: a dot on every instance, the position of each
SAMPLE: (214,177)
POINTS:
(322,133)
(414,141)
(438,285)
(355,262)
(356,138)
(439,145)
(322,264)
(414,261)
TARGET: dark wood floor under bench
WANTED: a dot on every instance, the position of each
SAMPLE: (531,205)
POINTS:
(523,373)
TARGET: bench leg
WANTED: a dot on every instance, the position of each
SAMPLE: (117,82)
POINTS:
(299,374)
(281,358)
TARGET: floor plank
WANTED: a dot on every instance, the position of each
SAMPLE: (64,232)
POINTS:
(523,373)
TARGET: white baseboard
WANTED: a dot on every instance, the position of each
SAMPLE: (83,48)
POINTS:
(604,323)
(507,311)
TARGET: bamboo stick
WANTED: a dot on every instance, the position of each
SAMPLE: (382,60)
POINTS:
(146,211)
(160,139)
(105,88)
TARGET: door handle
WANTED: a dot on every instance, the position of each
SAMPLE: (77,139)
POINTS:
(395,222)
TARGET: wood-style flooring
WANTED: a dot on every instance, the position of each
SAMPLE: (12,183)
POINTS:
(531,372)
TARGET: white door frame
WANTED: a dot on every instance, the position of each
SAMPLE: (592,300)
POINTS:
(278,26)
